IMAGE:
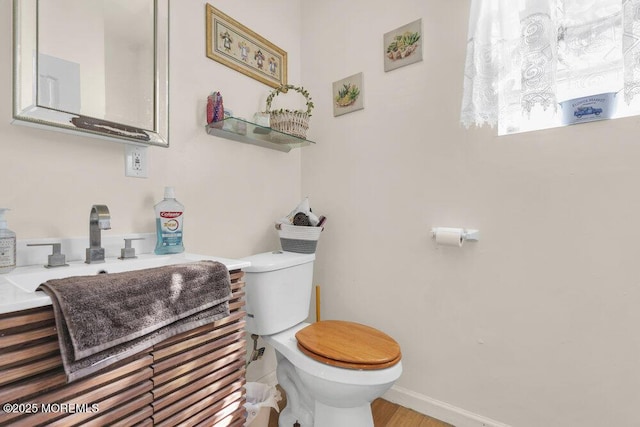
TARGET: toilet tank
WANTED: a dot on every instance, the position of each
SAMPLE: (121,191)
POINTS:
(278,291)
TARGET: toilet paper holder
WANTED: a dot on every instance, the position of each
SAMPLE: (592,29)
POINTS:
(467,234)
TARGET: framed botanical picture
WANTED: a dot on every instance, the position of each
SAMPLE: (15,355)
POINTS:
(348,95)
(403,46)
(236,46)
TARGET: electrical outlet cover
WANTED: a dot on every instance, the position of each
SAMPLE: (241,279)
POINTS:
(135,161)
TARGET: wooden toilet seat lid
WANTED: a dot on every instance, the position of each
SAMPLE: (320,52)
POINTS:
(348,345)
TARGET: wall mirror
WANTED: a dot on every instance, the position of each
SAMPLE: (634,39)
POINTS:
(99,67)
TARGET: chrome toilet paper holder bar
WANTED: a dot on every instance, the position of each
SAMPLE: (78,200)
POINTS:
(467,234)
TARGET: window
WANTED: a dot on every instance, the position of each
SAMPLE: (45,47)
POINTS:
(526,59)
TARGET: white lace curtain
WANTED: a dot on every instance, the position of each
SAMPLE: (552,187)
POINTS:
(526,54)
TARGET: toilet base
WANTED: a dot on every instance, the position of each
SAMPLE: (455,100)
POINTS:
(320,395)
(300,407)
(303,409)
(327,416)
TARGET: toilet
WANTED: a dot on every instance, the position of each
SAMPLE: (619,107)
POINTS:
(330,370)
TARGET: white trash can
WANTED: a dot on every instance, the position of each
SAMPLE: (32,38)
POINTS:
(260,398)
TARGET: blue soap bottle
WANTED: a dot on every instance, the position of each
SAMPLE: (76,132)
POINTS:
(169,222)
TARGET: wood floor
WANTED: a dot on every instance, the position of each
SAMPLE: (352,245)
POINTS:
(389,414)
(385,414)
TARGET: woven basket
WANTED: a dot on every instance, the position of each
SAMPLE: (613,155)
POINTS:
(300,239)
(294,123)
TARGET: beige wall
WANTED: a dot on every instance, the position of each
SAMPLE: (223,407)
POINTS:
(232,192)
(535,324)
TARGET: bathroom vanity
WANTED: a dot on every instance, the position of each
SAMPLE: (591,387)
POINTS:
(194,378)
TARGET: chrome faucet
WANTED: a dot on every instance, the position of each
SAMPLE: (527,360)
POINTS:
(99,219)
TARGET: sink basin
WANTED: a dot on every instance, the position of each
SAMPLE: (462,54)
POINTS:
(29,278)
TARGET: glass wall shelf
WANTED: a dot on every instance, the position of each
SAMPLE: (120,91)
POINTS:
(251,133)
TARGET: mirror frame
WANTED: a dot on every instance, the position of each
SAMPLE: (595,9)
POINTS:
(25,84)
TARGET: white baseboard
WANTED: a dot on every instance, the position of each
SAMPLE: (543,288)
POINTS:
(439,410)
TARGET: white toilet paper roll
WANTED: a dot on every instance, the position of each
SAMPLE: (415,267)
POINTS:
(449,236)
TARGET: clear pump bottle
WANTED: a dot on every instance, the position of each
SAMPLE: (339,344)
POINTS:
(7,245)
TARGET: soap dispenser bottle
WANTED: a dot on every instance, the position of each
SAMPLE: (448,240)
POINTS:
(7,245)
(169,218)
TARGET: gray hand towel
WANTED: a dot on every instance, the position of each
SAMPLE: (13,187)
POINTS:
(105,318)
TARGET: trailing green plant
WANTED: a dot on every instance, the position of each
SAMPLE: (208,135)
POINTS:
(283,89)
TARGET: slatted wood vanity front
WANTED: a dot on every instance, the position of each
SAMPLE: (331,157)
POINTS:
(195,378)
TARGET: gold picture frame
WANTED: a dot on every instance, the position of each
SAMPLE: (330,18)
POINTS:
(234,45)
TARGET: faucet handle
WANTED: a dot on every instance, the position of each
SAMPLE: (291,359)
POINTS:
(57,258)
(128,251)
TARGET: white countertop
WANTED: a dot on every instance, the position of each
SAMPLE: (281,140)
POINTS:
(14,298)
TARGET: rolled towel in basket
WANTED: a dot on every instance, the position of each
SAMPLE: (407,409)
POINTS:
(302,208)
(301,219)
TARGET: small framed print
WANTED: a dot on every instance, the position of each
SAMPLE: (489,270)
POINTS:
(348,95)
(403,46)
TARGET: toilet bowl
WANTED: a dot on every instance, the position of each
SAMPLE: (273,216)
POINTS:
(332,370)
